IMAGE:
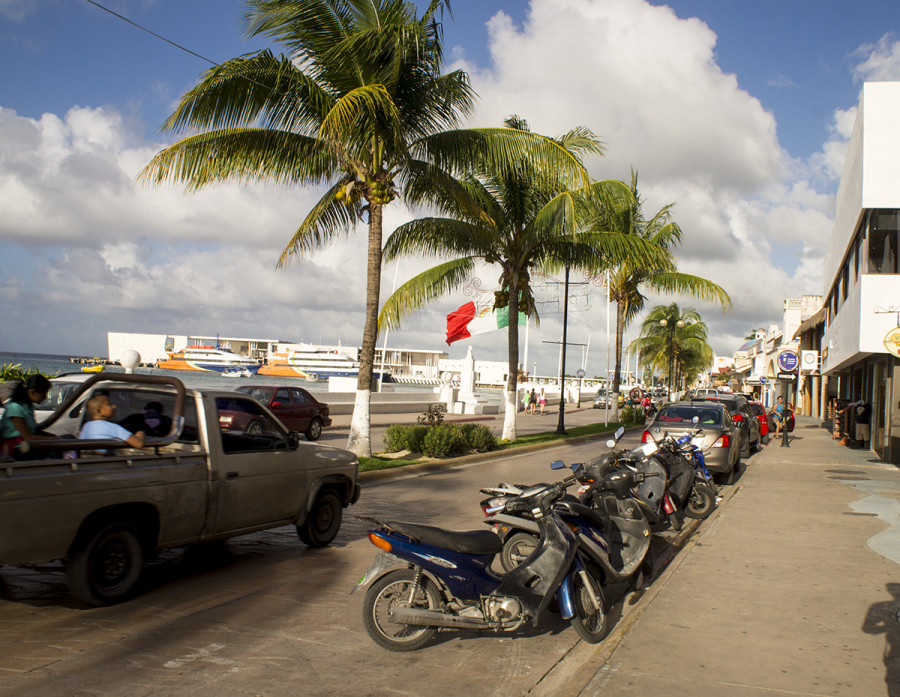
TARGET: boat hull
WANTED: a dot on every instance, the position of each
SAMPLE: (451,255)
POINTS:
(176,364)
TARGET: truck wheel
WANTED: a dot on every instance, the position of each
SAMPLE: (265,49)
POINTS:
(323,521)
(314,430)
(105,566)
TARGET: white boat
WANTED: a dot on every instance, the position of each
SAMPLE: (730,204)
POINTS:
(208,358)
(314,364)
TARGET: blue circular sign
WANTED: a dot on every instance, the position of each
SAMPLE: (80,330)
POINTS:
(788,361)
(762,379)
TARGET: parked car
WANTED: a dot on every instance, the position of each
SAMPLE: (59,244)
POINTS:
(295,407)
(747,423)
(703,392)
(720,438)
(759,411)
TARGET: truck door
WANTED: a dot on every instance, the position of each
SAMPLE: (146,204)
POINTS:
(259,478)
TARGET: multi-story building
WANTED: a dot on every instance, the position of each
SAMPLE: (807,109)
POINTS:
(859,346)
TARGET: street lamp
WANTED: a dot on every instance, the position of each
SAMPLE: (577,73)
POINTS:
(671,352)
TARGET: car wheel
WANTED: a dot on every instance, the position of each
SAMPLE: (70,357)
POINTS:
(314,430)
(255,428)
(105,565)
(735,472)
(323,522)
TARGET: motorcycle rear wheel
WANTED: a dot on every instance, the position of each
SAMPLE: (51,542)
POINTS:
(701,502)
(516,549)
(590,624)
(390,591)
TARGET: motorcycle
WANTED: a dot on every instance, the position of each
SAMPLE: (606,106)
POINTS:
(425,578)
(609,526)
(691,484)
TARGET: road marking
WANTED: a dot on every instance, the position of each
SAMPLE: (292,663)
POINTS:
(205,655)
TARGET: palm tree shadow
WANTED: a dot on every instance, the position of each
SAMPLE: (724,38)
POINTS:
(884,618)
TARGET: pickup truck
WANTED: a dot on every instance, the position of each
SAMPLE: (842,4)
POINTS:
(105,508)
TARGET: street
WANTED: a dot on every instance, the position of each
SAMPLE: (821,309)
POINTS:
(263,615)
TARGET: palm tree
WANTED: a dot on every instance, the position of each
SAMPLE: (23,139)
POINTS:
(627,280)
(513,217)
(674,338)
(359,105)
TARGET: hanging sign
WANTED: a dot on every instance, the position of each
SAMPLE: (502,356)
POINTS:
(892,342)
(787,362)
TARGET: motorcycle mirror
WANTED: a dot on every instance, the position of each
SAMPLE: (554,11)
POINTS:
(620,431)
(577,467)
(557,465)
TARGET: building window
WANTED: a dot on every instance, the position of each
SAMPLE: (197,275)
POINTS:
(884,226)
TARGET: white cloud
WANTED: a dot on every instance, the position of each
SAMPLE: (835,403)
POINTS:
(879,62)
(113,255)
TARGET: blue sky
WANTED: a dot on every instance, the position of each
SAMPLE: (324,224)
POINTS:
(735,111)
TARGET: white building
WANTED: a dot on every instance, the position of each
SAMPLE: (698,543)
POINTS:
(862,270)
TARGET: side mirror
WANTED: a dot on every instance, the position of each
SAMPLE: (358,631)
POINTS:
(620,431)
(275,404)
(293,440)
(557,465)
(610,444)
(696,420)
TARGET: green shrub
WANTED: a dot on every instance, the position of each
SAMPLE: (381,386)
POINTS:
(480,439)
(629,415)
(399,437)
(442,440)
(433,415)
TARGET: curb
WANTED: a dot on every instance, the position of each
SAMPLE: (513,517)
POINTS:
(376,477)
(591,665)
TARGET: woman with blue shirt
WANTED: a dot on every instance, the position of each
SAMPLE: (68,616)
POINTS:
(17,425)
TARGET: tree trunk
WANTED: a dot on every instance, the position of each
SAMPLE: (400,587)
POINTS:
(359,442)
(512,381)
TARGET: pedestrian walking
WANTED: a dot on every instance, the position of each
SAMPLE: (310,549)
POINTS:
(532,401)
(542,400)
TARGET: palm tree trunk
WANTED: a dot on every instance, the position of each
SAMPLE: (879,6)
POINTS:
(512,381)
(359,442)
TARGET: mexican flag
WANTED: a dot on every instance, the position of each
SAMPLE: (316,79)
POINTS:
(477,319)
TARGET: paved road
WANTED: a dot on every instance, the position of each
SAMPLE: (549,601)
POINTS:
(265,616)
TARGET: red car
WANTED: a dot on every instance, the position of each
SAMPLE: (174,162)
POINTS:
(295,408)
(759,411)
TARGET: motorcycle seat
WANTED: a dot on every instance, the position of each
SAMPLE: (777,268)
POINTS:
(462,542)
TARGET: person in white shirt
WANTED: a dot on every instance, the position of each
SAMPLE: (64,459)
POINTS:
(100,410)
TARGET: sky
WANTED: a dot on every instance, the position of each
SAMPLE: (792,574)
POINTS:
(736,112)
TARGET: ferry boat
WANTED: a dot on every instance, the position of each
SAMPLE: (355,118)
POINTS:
(207,358)
(313,365)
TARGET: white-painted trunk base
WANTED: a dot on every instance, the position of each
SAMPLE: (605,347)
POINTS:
(509,417)
(360,441)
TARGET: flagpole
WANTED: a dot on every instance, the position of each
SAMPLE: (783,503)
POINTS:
(608,393)
(387,331)
(525,359)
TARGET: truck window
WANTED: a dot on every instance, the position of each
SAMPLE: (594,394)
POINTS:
(245,427)
(151,412)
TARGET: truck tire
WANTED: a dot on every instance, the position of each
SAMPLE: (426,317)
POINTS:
(106,564)
(323,522)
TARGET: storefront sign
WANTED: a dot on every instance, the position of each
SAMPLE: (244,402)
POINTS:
(787,361)
(892,342)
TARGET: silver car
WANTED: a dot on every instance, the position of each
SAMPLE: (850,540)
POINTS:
(718,437)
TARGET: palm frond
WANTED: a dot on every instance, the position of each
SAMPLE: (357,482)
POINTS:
(422,289)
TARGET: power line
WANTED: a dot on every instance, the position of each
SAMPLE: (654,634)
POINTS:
(152,33)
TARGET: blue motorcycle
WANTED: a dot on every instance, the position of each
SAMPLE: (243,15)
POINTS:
(426,578)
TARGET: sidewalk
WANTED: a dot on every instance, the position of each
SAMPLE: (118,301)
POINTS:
(781,592)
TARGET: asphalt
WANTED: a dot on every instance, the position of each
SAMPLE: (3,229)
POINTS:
(792,587)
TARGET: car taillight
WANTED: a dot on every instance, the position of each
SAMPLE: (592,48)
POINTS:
(722,442)
(645,437)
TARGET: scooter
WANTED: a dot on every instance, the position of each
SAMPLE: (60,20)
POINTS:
(693,487)
(611,532)
(426,578)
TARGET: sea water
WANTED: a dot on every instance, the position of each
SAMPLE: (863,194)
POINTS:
(53,364)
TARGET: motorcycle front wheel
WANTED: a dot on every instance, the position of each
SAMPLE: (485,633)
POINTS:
(701,502)
(395,590)
(590,623)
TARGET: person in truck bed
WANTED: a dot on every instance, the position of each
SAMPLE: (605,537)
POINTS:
(100,411)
